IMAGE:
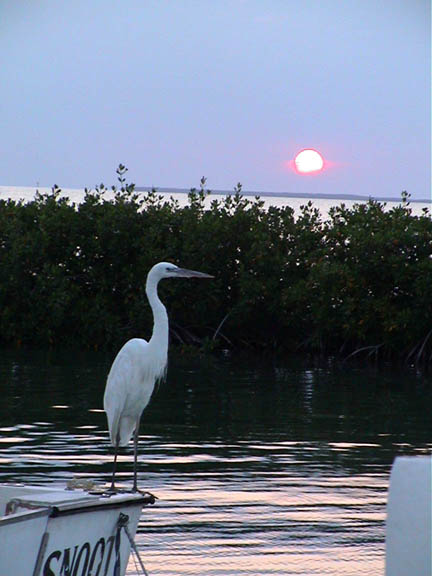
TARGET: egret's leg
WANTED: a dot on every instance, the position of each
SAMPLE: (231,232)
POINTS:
(116,447)
(136,434)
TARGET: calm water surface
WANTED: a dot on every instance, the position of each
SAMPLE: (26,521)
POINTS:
(261,467)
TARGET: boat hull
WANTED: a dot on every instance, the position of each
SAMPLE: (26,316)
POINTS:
(83,536)
(91,549)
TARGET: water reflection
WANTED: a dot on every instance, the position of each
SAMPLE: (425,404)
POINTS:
(260,468)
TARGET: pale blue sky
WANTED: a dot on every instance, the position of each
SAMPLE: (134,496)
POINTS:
(228,89)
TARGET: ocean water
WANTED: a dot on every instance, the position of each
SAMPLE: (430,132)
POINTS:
(322,203)
(260,467)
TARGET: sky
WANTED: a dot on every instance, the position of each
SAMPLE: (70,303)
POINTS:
(226,89)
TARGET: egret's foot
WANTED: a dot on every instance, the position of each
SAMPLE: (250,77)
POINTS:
(112,490)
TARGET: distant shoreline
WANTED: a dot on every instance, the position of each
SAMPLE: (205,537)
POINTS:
(305,195)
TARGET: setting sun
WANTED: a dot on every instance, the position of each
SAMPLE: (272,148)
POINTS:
(308,161)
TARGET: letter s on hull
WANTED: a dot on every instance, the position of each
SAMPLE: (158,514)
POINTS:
(47,567)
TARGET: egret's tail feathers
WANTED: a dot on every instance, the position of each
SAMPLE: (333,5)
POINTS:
(122,431)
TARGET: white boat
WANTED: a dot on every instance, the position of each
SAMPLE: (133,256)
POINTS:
(59,532)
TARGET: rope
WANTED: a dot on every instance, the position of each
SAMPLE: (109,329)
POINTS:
(123,522)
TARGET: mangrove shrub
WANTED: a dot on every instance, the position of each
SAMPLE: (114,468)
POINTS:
(75,274)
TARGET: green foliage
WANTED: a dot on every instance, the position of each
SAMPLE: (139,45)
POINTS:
(76,273)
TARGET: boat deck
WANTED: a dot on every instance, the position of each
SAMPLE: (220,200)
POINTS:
(19,498)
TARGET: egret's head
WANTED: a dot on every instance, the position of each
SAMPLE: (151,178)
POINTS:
(168,270)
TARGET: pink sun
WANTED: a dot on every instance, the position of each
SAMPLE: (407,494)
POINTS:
(308,161)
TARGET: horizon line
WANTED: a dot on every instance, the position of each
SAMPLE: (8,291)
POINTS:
(324,195)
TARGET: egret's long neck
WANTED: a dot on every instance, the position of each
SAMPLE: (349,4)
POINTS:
(159,337)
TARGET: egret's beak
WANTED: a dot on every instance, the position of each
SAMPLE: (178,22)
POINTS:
(184,273)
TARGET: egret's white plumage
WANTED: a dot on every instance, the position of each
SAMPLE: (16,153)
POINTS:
(124,401)
(138,367)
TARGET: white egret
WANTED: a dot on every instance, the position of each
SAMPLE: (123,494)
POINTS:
(138,367)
